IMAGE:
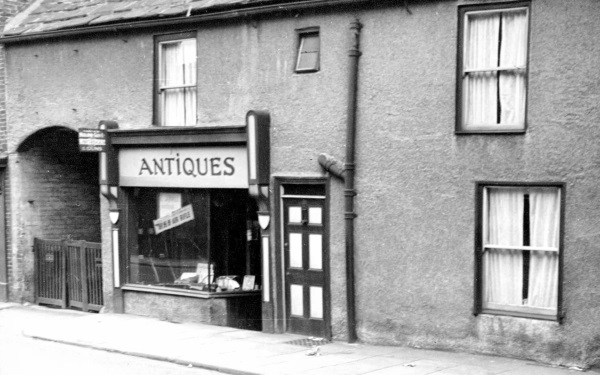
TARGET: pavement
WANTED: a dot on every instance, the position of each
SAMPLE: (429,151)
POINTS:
(242,352)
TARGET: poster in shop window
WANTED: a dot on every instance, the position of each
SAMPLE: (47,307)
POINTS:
(174,219)
(167,203)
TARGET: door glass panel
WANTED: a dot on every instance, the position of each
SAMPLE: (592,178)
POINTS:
(316,302)
(296,250)
(295,214)
(315,215)
(315,243)
(297,300)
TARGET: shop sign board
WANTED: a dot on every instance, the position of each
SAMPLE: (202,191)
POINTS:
(174,219)
(184,167)
(92,140)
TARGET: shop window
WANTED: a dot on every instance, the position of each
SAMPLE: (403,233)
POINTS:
(176,99)
(492,68)
(193,239)
(308,51)
(519,254)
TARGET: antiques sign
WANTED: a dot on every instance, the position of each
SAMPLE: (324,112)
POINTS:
(187,167)
(174,219)
(92,140)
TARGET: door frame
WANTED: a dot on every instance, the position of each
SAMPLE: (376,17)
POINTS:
(279,272)
(4,254)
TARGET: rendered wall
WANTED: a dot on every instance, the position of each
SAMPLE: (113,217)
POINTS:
(415,178)
(415,257)
(77,82)
(74,86)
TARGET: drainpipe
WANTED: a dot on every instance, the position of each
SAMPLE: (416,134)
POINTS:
(349,167)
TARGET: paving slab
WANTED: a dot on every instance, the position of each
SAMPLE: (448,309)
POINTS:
(242,352)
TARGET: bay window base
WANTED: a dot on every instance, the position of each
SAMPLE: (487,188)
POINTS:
(230,309)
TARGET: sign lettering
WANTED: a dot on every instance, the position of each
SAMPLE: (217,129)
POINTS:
(92,140)
(206,167)
(174,219)
(191,167)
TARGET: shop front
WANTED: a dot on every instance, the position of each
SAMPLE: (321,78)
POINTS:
(185,233)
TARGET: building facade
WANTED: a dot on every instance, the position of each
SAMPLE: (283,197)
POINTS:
(461,214)
(8,9)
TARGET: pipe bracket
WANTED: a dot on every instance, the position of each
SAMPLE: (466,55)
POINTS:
(349,166)
(350,193)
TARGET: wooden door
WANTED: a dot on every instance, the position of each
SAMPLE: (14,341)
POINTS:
(305,257)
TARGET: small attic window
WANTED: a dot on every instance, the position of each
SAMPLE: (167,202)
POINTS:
(308,51)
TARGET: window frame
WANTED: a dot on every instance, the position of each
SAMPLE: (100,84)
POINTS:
(462,11)
(158,39)
(478,307)
(300,33)
(129,226)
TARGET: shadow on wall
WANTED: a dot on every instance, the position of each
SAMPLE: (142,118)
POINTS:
(59,187)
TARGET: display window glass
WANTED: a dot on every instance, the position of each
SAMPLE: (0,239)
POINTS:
(198,239)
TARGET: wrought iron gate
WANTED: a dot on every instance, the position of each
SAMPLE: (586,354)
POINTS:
(68,274)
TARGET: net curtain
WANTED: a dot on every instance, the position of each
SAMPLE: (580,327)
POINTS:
(503,268)
(179,69)
(491,96)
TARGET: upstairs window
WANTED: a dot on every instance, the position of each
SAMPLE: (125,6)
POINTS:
(492,83)
(308,51)
(519,256)
(176,100)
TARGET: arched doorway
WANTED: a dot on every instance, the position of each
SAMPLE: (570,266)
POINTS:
(61,185)
(54,195)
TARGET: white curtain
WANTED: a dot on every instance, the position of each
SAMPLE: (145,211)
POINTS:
(503,268)
(544,232)
(481,52)
(495,40)
(178,69)
(513,53)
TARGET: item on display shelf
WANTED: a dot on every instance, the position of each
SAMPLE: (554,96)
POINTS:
(203,273)
(205,287)
(228,282)
(248,283)
(187,278)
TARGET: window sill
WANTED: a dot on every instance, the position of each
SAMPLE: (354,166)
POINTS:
(490,132)
(189,292)
(306,71)
(521,314)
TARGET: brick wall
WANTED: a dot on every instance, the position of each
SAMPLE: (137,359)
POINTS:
(57,198)
(8,8)
(62,187)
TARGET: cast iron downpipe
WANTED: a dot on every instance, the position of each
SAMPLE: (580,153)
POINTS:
(349,167)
